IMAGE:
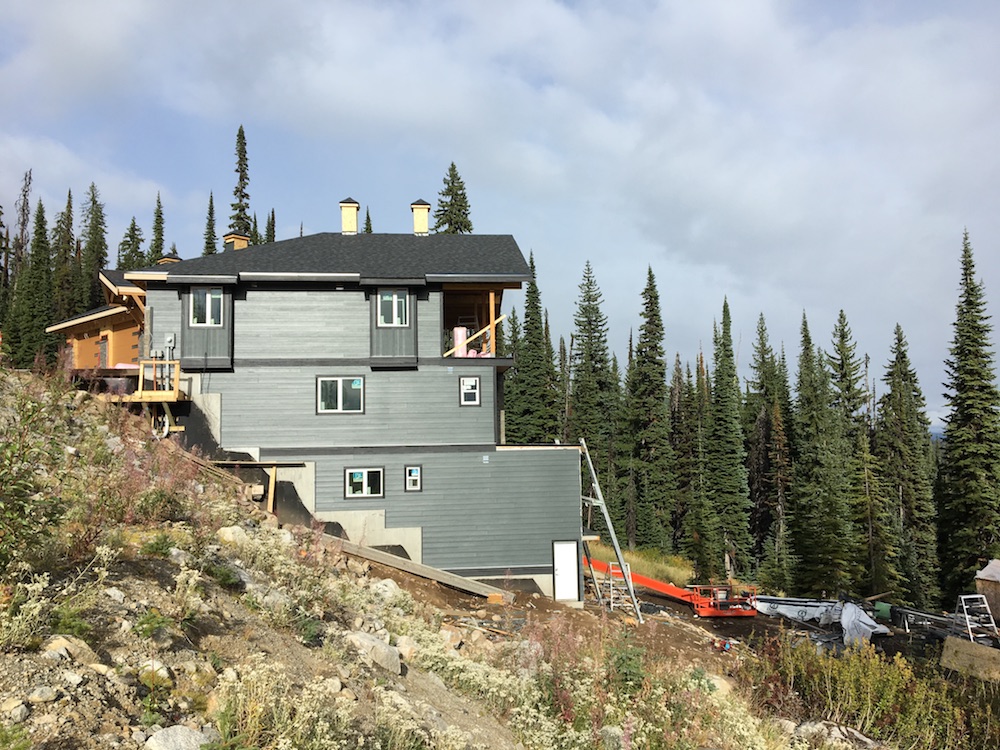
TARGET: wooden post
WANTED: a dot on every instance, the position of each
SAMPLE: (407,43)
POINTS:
(272,478)
(493,323)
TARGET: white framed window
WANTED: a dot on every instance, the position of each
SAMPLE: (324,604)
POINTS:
(363,483)
(206,306)
(413,478)
(336,395)
(468,391)
(393,308)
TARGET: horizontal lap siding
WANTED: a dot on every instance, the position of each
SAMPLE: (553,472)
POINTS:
(276,407)
(166,307)
(301,325)
(430,331)
(502,514)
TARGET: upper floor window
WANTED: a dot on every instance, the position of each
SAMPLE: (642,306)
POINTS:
(335,395)
(206,306)
(393,308)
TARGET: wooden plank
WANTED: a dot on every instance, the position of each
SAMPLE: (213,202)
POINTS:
(971,658)
(424,571)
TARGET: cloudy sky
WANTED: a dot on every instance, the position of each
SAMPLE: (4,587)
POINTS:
(789,156)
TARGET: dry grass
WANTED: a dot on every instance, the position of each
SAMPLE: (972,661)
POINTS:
(649,563)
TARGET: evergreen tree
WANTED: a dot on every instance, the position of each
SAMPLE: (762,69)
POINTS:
(255,238)
(368,221)
(969,473)
(648,425)
(592,384)
(563,382)
(94,256)
(4,270)
(211,240)
(904,449)
(239,221)
(725,453)
(452,213)
(130,255)
(823,531)
(156,243)
(880,530)
(531,406)
(65,266)
(778,562)
(25,339)
(269,231)
(850,396)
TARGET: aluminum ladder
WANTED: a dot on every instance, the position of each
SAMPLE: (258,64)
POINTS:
(973,613)
(598,502)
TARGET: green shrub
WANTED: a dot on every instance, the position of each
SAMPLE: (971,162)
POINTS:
(150,622)
(158,546)
(14,738)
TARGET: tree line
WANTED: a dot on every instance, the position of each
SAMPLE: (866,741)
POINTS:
(804,482)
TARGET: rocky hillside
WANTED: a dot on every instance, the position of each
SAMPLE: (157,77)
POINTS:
(146,603)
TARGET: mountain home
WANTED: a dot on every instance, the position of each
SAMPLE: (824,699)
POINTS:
(364,366)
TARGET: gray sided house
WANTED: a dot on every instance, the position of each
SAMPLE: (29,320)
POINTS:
(343,357)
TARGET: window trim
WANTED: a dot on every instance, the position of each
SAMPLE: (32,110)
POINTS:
(366,470)
(340,400)
(208,308)
(396,291)
(420,478)
(462,390)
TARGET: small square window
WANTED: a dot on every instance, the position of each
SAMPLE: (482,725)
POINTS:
(468,391)
(363,483)
(336,395)
(206,306)
(413,481)
(393,308)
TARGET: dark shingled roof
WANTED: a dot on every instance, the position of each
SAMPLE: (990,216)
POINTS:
(372,256)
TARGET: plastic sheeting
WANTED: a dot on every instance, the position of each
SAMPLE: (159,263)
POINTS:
(855,623)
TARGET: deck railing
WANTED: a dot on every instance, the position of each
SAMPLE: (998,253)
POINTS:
(488,334)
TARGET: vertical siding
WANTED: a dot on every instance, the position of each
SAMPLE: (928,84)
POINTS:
(474,514)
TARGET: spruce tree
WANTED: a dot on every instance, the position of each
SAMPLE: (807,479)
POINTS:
(903,446)
(156,243)
(4,270)
(25,340)
(452,213)
(255,238)
(726,455)
(648,426)
(65,266)
(368,221)
(130,255)
(850,394)
(269,231)
(777,565)
(211,240)
(94,256)
(969,472)
(239,220)
(823,531)
(880,529)
(531,406)
(592,387)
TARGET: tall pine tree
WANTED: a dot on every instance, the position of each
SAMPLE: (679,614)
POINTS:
(902,444)
(652,464)
(25,339)
(726,455)
(65,266)
(969,472)
(239,220)
(452,213)
(530,397)
(156,243)
(269,231)
(211,239)
(130,254)
(94,256)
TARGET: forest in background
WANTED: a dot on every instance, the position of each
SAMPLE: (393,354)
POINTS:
(798,478)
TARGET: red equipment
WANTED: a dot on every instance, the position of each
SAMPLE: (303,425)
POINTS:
(706,601)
